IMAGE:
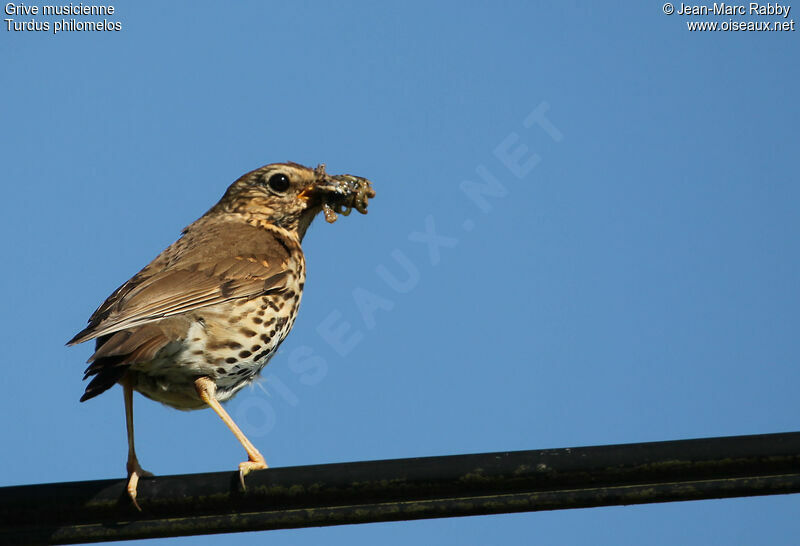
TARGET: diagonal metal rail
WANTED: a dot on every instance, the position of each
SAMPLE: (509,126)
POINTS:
(403,489)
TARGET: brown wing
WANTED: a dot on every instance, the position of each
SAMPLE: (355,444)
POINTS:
(116,352)
(212,263)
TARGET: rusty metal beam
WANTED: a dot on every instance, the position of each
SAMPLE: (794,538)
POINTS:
(403,489)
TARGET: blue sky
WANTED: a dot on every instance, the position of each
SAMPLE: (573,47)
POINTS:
(633,277)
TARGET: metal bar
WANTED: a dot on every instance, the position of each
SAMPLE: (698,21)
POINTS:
(403,489)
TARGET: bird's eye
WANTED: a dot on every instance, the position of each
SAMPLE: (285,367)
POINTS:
(279,182)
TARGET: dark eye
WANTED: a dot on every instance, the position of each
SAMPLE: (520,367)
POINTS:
(279,182)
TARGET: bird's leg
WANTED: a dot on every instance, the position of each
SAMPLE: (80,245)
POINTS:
(135,471)
(206,388)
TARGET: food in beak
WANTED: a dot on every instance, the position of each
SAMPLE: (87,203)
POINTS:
(342,193)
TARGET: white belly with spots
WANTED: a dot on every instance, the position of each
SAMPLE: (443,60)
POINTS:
(229,347)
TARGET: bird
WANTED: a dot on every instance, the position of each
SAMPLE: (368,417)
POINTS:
(199,322)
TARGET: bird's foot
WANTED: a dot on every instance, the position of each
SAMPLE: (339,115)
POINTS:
(254,463)
(134,473)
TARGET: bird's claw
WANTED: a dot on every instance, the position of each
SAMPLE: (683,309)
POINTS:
(134,473)
(247,466)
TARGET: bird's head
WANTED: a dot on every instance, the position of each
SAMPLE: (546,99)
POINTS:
(290,195)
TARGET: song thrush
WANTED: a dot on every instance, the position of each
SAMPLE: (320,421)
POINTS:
(205,316)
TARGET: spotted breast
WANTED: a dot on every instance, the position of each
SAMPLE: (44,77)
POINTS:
(229,343)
